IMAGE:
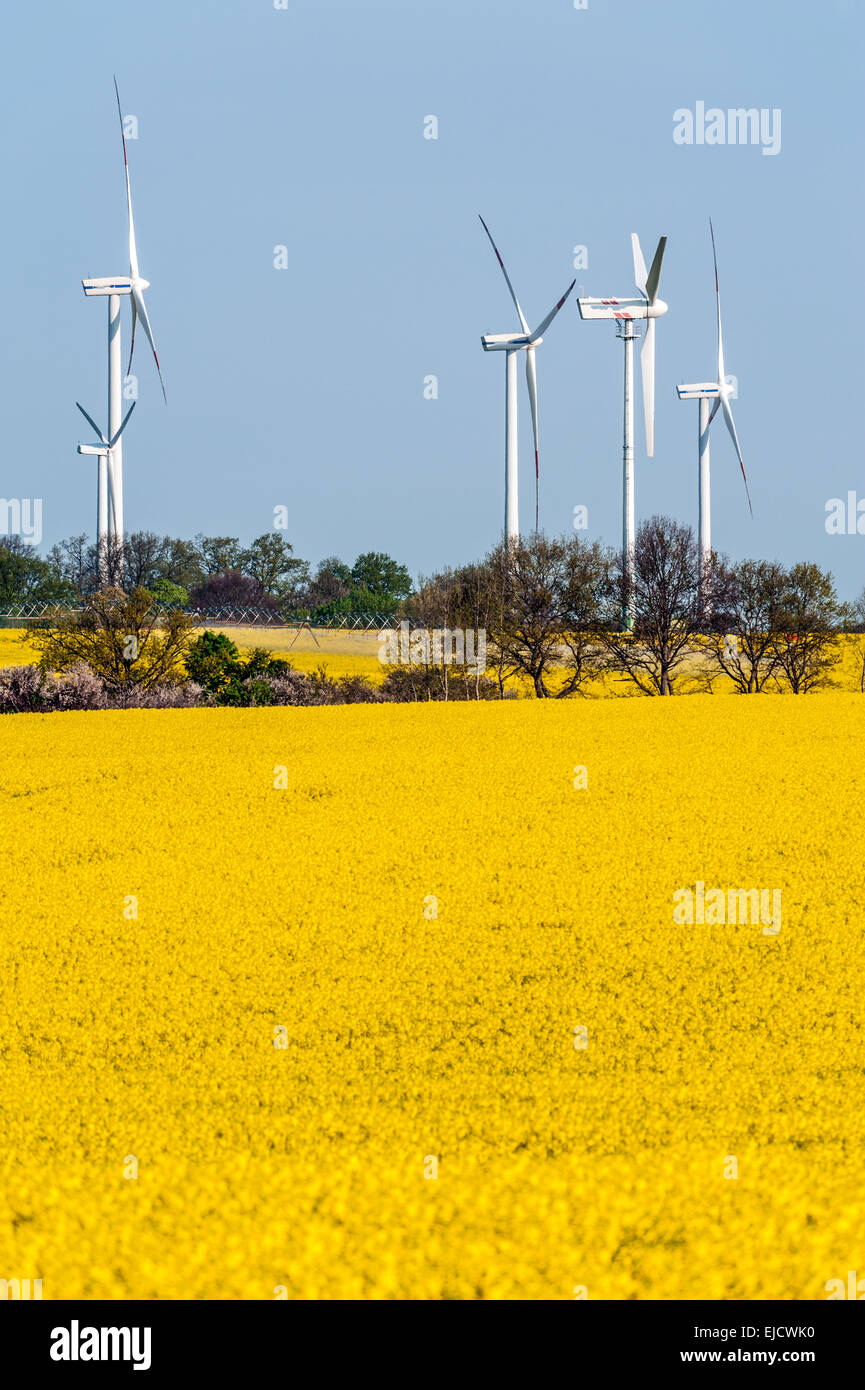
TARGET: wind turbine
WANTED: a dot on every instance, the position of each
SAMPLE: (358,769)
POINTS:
(721,392)
(511,344)
(102,452)
(625,311)
(113,286)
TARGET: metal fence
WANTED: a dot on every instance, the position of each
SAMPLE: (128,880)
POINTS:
(225,617)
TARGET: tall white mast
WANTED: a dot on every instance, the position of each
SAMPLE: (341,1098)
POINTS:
(512,454)
(628,335)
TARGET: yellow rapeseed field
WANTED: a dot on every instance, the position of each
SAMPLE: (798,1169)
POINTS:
(14,651)
(390,1001)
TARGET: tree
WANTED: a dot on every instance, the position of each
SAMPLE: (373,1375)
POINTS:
(857,612)
(73,564)
(168,595)
(121,637)
(26,578)
(747,600)
(232,590)
(548,608)
(270,560)
(810,621)
(381,576)
(331,582)
(180,563)
(666,602)
(218,554)
(449,665)
(142,560)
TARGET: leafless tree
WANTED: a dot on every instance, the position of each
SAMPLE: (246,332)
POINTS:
(548,594)
(806,645)
(666,602)
(858,614)
(748,603)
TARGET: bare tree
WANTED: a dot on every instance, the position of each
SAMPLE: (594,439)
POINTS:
(548,608)
(666,602)
(143,553)
(857,612)
(806,646)
(747,611)
(73,563)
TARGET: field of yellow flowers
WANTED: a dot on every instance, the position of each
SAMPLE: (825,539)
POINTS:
(389,1001)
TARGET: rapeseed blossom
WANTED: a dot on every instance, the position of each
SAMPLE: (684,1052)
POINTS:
(389,1001)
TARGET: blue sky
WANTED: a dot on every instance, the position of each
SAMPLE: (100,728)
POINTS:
(304,387)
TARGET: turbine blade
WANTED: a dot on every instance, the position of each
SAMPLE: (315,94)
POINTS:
(132,339)
(507,277)
(714,411)
(728,416)
(640,273)
(721,372)
(114,438)
(647,364)
(92,423)
(655,273)
(542,327)
(133,255)
(532,382)
(138,299)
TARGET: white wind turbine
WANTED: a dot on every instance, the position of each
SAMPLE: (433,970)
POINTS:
(721,392)
(113,286)
(625,311)
(102,451)
(511,344)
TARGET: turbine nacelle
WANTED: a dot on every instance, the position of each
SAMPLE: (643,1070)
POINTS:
(508,342)
(107,284)
(591,308)
(699,391)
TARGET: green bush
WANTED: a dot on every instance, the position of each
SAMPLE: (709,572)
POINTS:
(216,664)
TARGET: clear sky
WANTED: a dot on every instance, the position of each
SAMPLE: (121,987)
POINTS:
(303,127)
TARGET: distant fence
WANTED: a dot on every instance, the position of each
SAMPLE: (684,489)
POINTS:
(224,617)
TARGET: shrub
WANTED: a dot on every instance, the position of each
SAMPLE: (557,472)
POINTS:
(121,637)
(213,661)
(24,688)
(79,688)
(404,683)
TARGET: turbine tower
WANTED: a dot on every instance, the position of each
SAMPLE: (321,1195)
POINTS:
(511,344)
(647,306)
(112,287)
(721,392)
